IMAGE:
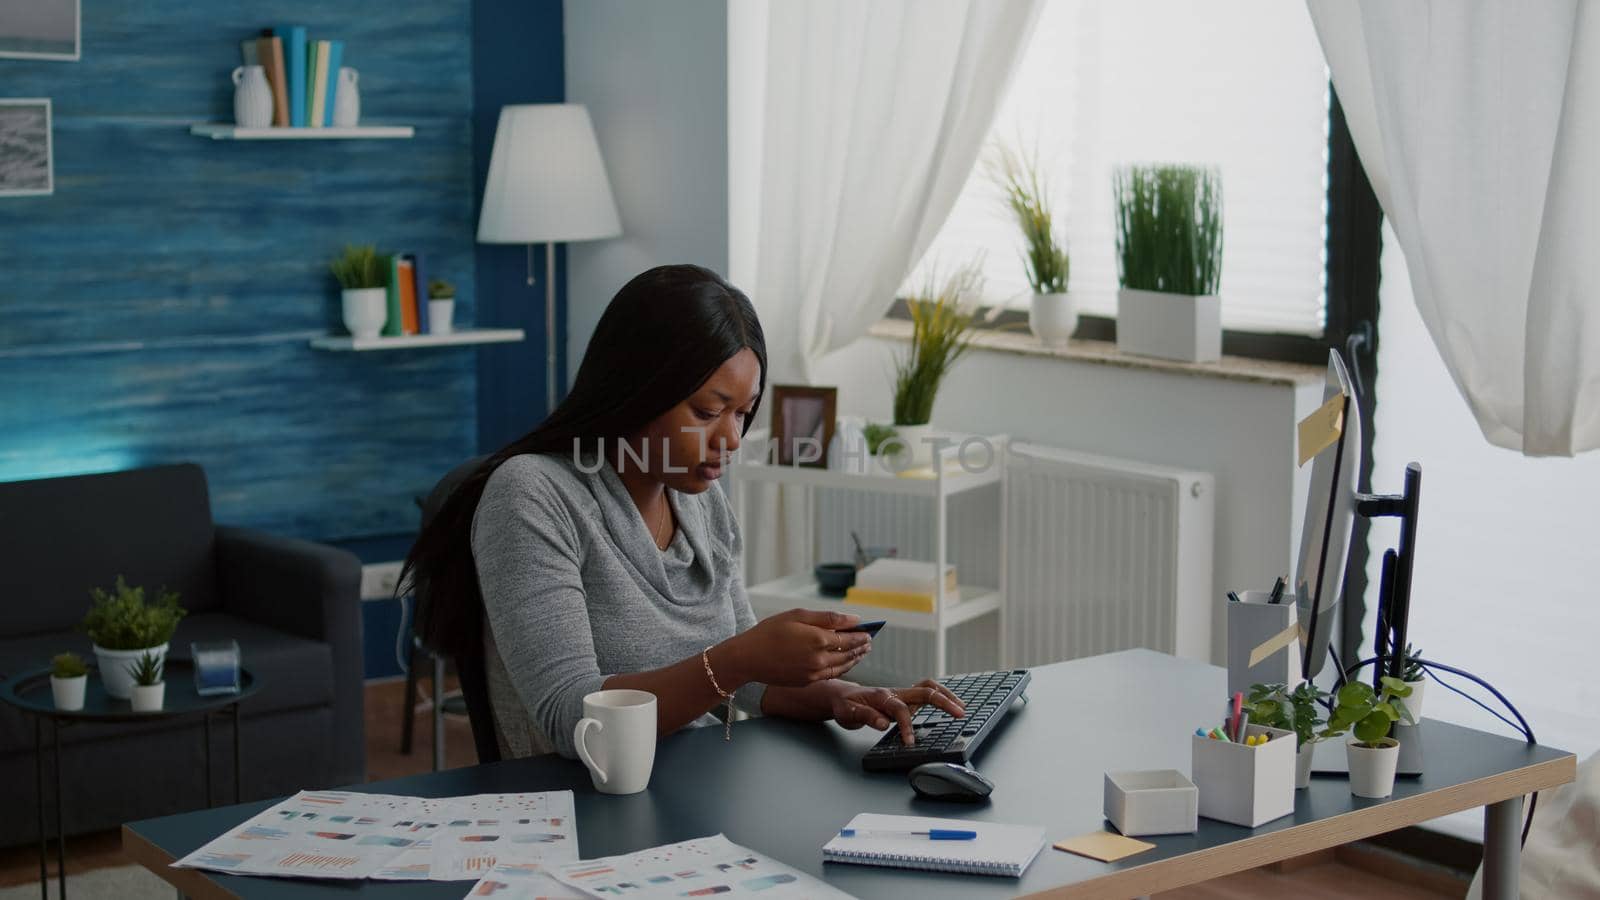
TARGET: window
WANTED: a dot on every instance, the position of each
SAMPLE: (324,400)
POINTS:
(1240,85)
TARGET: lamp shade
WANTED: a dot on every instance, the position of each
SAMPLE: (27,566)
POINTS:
(547,182)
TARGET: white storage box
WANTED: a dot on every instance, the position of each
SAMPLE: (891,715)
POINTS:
(1245,785)
(1153,801)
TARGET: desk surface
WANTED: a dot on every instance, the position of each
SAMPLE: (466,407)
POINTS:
(783,788)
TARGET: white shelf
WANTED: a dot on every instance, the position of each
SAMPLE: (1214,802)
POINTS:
(411,341)
(955,479)
(801,590)
(221,131)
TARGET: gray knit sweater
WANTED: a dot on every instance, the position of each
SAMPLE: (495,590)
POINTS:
(576,590)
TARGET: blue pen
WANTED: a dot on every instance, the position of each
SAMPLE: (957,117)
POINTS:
(937,834)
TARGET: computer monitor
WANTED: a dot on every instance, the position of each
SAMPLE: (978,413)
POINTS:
(1330,518)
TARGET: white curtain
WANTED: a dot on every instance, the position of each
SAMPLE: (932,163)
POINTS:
(872,116)
(1478,122)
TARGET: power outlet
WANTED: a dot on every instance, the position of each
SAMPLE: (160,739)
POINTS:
(378,580)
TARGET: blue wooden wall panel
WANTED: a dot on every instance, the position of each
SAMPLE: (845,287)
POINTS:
(157,307)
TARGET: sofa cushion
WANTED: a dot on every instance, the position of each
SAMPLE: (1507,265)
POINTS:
(293,673)
(63,536)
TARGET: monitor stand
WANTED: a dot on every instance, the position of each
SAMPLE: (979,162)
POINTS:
(1394,613)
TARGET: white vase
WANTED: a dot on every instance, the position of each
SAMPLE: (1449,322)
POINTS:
(366,310)
(68,692)
(149,697)
(115,665)
(1419,689)
(1372,768)
(252,98)
(1169,326)
(915,448)
(440,312)
(1302,765)
(347,99)
(1053,317)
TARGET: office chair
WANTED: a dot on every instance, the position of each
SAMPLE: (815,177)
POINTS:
(470,667)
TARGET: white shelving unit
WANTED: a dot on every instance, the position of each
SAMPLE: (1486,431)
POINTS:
(412,341)
(944,478)
(222,131)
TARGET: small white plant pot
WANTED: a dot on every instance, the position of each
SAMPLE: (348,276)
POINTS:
(1053,318)
(440,314)
(911,446)
(1302,766)
(1183,327)
(149,697)
(1419,689)
(68,692)
(114,666)
(365,310)
(1372,769)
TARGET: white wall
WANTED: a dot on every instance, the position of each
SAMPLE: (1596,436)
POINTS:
(655,79)
(1241,432)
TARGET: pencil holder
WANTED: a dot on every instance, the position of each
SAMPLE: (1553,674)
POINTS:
(1254,624)
(1245,785)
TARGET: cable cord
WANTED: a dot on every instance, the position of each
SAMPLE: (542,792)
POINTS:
(1520,725)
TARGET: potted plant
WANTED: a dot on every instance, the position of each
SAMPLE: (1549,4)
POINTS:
(441,305)
(68,677)
(363,274)
(1415,678)
(1299,711)
(148,689)
(941,326)
(1052,313)
(123,627)
(1169,262)
(1369,714)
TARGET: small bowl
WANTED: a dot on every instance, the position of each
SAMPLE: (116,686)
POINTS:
(834,578)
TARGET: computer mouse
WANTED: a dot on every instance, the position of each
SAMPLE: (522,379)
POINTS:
(950,781)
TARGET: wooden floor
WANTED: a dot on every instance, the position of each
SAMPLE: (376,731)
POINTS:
(1355,872)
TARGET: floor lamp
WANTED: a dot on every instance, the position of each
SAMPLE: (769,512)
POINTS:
(547,184)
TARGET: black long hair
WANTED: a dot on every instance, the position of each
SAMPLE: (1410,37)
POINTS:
(662,336)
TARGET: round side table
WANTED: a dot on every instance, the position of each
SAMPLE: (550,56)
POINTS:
(30,693)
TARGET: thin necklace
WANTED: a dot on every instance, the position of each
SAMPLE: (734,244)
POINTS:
(666,520)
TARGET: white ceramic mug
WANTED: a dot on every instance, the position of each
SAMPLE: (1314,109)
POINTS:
(616,739)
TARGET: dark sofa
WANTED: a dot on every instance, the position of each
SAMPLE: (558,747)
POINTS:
(293,606)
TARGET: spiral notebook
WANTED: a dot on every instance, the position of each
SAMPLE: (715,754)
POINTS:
(998,849)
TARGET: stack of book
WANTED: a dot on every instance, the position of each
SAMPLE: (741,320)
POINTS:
(408,296)
(303,74)
(906,584)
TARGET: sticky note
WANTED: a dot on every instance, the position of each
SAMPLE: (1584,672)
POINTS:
(1319,430)
(1273,644)
(1103,845)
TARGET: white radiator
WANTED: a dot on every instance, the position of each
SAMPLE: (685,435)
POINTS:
(1104,555)
(1100,555)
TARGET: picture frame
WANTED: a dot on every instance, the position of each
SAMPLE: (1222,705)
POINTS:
(41,29)
(803,421)
(27,156)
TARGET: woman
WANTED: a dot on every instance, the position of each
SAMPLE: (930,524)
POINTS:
(607,557)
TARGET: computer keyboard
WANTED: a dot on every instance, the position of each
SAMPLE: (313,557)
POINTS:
(942,737)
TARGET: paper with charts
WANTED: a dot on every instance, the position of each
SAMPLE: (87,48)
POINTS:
(704,867)
(343,834)
(523,881)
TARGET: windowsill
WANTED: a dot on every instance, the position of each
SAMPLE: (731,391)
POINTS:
(1021,343)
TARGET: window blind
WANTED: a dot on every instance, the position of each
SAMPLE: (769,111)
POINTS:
(1240,85)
